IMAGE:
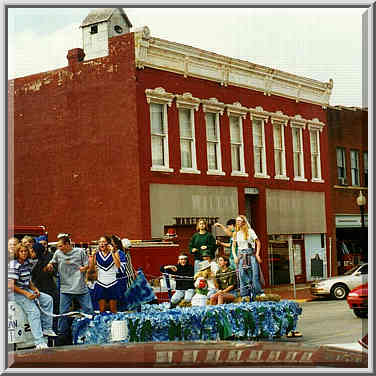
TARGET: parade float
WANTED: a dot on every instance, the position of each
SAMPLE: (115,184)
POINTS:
(145,322)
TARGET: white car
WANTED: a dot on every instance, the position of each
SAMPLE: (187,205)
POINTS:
(338,287)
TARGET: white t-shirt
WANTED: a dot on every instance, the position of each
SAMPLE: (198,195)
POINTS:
(242,242)
(214,267)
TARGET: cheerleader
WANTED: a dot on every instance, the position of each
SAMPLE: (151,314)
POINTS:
(125,274)
(107,262)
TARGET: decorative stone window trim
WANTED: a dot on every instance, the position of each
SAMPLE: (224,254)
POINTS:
(236,109)
(215,172)
(281,177)
(212,105)
(279,117)
(259,112)
(315,124)
(190,171)
(159,95)
(298,121)
(161,169)
(239,173)
(186,100)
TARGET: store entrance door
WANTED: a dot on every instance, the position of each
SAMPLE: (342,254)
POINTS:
(279,261)
(279,265)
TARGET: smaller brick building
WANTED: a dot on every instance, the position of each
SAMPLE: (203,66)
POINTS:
(348,137)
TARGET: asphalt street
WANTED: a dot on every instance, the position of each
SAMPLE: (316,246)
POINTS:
(324,321)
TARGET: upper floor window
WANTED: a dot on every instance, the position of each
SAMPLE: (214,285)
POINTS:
(158,100)
(315,127)
(236,112)
(354,164)
(365,164)
(315,154)
(213,109)
(279,121)
(186,105)
(213,142)
(298,156)
(341,166)
(159,136)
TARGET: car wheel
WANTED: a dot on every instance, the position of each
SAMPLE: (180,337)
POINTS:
(339,291)
(361,313)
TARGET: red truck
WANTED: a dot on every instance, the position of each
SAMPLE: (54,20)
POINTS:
(20,231)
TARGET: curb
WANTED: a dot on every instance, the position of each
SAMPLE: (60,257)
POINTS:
(202,354)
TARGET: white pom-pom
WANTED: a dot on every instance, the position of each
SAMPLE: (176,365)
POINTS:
(126,243)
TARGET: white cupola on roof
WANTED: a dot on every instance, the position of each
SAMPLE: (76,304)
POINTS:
(100,25)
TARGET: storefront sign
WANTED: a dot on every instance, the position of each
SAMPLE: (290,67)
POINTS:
(251,191)
(349,221)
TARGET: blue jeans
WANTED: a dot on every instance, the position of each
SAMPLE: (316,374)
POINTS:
(38,321)
(65,306)
(249,274)
(180,294)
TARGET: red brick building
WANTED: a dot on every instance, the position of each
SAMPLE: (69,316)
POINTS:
(348,137)
(148,130)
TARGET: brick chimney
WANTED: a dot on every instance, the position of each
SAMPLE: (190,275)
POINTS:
(76,55)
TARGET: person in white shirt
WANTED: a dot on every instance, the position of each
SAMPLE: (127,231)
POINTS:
(247,258)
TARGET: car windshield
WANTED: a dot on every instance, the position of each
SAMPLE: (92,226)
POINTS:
(351,271)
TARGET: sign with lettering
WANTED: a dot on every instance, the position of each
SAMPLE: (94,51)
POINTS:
(18,326)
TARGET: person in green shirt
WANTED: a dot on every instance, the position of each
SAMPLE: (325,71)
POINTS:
(229,230)
(201,240)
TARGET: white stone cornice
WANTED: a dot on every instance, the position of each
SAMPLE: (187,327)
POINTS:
(212,105)
(187,101)
(236,109)
(141,36)
(280,117)
(258,112)
(315,124)
(189,61)
(159,95)
(298,122)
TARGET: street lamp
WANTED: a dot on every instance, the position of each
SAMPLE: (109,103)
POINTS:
(361,202)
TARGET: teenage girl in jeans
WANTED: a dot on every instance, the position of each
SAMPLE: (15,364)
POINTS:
(247,258)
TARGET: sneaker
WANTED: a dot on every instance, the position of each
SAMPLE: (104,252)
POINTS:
(49,333)
(42,346)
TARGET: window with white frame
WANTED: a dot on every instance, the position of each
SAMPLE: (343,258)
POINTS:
(298,157)
(341,166)
(279,149)
(237,145)
(354,165)
(158,100)
(187,104)
(187,139)
(212,109)
(158,135)
(213,141)
(315,154)
(259,147)
(365,167)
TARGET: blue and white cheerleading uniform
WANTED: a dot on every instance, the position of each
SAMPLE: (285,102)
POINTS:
(107,285)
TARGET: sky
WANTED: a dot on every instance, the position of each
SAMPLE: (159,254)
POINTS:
(318,43)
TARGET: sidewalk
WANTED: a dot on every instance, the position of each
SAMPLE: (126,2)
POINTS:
(302,292)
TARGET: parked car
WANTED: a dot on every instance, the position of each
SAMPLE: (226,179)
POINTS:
(358,301)
(338,287)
